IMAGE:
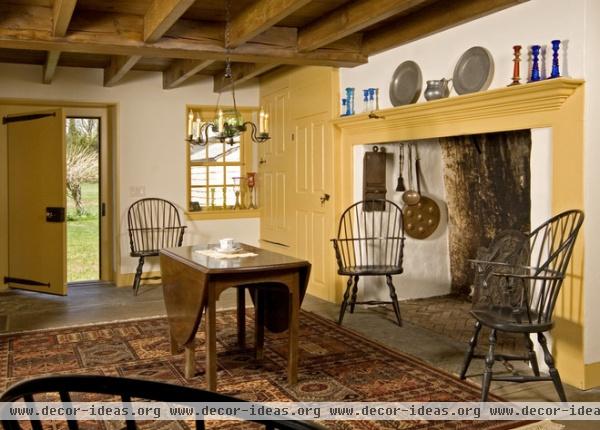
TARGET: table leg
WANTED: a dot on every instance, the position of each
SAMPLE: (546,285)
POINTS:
(190,362)
(241,317)
(211,341)
(259,323)
(294,329)
(174,348)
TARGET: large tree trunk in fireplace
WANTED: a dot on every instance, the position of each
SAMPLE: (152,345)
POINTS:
(487,179)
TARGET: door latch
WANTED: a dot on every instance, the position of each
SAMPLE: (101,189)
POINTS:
(55,214)
(324,198)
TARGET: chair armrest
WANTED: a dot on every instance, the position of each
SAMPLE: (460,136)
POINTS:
(532,276)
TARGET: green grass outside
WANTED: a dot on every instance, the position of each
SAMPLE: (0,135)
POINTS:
(83,247)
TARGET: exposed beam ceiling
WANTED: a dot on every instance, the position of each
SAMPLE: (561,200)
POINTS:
(116,34)
(349,19)
(260,16)
(181,70)
(62,11)
(183,38)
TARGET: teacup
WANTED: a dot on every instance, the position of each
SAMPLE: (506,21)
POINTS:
(227,243)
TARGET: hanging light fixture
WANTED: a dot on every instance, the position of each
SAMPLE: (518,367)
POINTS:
(228,123)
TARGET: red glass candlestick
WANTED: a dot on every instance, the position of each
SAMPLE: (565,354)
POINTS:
(516,61)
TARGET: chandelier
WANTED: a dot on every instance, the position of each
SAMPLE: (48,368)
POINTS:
(228,123)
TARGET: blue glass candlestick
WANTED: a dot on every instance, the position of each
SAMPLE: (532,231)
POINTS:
(366,100)
(535,66)
(555,73)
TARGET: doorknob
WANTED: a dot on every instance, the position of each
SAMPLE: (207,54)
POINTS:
(324,198)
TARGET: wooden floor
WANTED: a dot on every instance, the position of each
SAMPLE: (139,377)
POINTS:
(93,304)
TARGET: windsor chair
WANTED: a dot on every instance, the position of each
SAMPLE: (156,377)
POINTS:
(526,285)
(153,224)
(370,242)
(128,390)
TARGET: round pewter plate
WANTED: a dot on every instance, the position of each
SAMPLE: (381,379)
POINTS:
(406,84)
(474,71)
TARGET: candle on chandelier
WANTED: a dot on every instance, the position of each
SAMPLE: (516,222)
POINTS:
(266,129)
(197,126)
(190,122)
(261,121)
(220,121)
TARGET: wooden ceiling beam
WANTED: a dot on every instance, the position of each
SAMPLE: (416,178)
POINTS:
(161,16)
(349,19)
(62,12)
(241,72)
(49,70)
(118,68)
(181,70)
(258,17)
(429,20)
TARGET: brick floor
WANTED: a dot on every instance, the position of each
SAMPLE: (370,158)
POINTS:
(449,316)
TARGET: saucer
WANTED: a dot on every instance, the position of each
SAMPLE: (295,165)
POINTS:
(233,250)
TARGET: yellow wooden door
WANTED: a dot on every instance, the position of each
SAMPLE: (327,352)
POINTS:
(36,202)
(313,208)
(275,174)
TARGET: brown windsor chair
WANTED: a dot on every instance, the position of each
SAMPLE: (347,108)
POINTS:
(525,289)
(370,242)
(153,224)
(128,390)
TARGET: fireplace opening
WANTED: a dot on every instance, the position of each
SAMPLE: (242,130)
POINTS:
(484,184)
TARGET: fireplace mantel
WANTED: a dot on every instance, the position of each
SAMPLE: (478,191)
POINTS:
(557,104)
(482,112)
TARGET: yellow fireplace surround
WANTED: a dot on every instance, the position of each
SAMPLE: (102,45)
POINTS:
(556,103)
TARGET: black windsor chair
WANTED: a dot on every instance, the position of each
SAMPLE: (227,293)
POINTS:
(517,293)
(370,242)
(153,224)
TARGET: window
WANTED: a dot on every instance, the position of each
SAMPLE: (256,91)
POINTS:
(215,169)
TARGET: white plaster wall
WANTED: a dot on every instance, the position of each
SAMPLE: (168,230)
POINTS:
(591,340)
(426,262)
(533,22)
(151,133)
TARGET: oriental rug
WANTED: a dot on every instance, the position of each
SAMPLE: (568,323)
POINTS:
(336,364)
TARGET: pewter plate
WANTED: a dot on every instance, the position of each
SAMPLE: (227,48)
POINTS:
(406,84)
(474,71)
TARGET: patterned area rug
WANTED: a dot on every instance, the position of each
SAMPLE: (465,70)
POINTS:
(335,365)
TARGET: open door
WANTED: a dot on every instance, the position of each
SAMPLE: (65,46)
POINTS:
(36,201)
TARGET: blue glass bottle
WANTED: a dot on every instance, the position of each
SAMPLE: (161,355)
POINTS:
(555,73)
(535,66)
(372,106)
(350,101)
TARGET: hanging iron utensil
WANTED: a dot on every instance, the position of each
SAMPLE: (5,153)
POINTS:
(411,196)
(422,218)
(400,185)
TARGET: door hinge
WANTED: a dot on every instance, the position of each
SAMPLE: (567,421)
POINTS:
(103,209)
(18,118)
(10,279)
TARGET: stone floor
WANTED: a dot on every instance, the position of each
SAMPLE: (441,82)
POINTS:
(435,330)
